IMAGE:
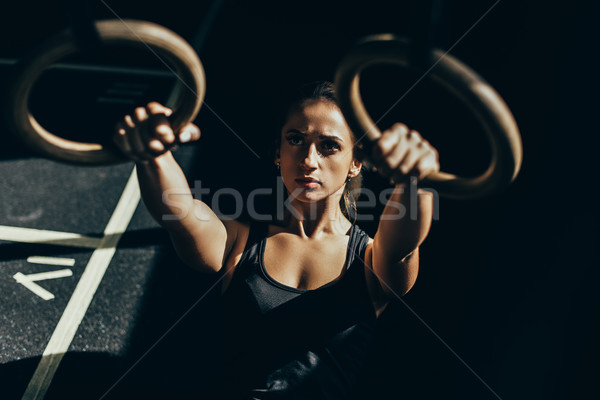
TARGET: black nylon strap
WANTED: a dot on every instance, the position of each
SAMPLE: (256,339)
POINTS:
(79,15)
(425,20)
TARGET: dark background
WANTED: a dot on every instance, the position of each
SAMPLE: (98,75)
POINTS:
(509,281)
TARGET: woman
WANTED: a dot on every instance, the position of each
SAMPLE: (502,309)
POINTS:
(300,297)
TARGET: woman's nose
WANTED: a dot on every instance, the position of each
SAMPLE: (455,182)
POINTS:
(311,158)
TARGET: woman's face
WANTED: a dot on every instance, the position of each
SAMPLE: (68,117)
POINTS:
(316,153)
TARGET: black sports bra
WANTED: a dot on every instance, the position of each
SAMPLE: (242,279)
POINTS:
(284,342)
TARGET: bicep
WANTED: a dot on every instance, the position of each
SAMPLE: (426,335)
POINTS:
(394,278)
(204,241)
(395,248)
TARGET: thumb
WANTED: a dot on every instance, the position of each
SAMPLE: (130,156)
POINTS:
(189,133)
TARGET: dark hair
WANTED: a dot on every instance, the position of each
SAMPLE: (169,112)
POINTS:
(321,91)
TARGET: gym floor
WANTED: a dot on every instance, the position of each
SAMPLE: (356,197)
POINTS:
(96,305)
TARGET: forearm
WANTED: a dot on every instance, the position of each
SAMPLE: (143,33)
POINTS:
(165,191)
(199,237)
(404,224)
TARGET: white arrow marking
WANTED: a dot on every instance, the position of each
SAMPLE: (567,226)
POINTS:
(67,262)
(28,281)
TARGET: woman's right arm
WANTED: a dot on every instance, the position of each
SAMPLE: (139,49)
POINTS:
(200,238)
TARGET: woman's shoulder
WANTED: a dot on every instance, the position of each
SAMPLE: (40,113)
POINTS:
(243,234)
(241,231)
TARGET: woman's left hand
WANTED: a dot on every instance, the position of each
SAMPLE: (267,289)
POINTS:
(402,152)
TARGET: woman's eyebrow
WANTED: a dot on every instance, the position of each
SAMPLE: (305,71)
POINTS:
(321,136)
(332,137)
(297,131)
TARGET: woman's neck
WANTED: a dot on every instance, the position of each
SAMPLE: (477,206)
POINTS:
(315,219)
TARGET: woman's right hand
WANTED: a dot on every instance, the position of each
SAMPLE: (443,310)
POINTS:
(147,133)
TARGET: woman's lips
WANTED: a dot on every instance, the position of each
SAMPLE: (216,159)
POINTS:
(310,183)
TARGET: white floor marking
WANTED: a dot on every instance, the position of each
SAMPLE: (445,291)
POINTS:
(28,235)
(42,276)
(66,262)
(28,281)
(84,292)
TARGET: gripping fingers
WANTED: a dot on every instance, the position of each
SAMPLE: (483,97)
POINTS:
(402,152)
(157,108)
(425,167)
(120,139)
(406,167)
(389,140)
(134,136)
(421,161)
(391,148)
(145,127)
(162,130)
(153,131)
(147,133)
(160,136)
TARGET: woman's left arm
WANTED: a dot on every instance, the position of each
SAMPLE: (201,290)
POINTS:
(402,155)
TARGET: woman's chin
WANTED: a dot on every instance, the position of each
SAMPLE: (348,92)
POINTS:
(308,195)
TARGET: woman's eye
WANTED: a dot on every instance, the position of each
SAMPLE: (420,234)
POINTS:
(294,140)
(330,145)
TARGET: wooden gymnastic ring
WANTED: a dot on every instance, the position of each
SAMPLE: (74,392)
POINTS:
(491,111)
(132,33)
